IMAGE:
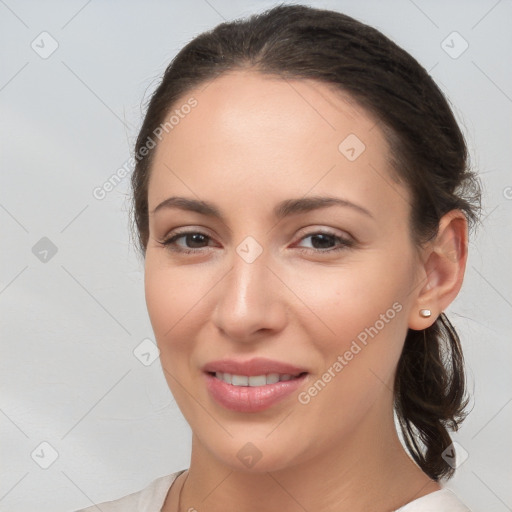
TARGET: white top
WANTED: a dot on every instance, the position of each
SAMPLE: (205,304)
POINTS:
(152,497)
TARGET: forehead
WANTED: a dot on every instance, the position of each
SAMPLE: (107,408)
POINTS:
(268,137)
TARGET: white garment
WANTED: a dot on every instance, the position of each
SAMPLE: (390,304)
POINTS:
(149,499)
(152,497)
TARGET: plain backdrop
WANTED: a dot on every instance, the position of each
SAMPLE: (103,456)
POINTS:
(82,419)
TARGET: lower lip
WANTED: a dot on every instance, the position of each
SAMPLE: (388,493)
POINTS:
(250,398)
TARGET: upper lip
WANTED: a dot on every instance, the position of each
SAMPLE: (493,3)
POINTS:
(252,367)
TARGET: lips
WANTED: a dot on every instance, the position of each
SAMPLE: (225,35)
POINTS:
(251,386)
(252,367)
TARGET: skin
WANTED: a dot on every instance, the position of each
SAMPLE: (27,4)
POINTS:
(251,142)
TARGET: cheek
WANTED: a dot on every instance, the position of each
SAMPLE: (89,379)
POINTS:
(173,303)
(173,299)
(350,300)
(363,310)
(356,364)
(361,313)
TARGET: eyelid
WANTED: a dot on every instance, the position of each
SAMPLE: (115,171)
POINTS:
(188,230)
(304,232)
(347,241)
(317,229)
(178,233)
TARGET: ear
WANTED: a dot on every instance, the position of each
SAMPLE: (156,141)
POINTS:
(442,269)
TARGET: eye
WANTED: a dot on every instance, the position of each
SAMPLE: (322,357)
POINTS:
(322,242)
(196,239)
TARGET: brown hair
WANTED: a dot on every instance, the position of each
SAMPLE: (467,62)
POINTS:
(428,152)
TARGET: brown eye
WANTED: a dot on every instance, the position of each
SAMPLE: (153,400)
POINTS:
(194,241)
(324,242)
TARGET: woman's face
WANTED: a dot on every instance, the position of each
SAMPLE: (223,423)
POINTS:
(325,287)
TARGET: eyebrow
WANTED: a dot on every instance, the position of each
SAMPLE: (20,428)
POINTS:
(281,210)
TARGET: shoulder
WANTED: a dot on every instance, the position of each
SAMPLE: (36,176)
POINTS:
(443,500)
(149,499)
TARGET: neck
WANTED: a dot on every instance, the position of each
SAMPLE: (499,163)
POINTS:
(370,467)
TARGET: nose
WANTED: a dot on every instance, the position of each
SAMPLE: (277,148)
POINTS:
(250,303)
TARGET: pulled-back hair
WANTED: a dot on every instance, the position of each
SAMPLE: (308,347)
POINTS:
(427,152)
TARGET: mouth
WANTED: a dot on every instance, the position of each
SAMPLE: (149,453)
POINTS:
(254,380)
(252,386)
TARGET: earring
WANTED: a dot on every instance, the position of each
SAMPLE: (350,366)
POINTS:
(425,313)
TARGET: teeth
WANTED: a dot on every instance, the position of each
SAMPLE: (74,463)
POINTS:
(253,381)
(239,380)
(257,380)
(272,378)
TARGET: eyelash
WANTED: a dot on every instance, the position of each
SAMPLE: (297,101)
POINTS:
(345,243)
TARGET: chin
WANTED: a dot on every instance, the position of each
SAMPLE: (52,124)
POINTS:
(251,454)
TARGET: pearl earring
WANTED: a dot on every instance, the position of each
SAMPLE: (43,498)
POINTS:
(425,313)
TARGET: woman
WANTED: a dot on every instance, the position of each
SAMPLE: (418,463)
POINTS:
(302,201)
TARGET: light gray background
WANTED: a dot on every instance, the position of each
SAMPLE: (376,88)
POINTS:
(69,325)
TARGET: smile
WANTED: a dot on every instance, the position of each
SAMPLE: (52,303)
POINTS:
(254,380)
(252,385)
